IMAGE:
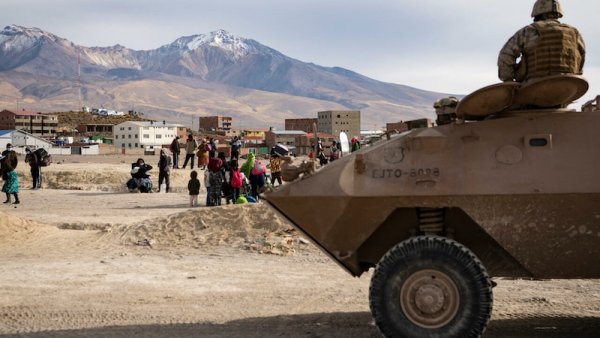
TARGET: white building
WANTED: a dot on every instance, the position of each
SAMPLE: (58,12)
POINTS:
(20,139)
(144,134)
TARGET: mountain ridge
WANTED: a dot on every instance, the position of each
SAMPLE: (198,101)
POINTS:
(44,69)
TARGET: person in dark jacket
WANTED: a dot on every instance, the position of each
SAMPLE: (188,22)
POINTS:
(236,144)
(8,164)
(194,188)
(35,169)
(139,172)
(216,181)
(175,150)
(225,173)
(212,152)
(164,170)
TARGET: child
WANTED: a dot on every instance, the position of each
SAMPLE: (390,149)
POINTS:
(194,188)
(235,181)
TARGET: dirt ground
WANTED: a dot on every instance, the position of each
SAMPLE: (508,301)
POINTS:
(84,258)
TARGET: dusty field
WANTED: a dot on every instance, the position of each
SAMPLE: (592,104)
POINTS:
(84,258)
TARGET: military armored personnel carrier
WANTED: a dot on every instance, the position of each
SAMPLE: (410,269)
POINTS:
(503,190)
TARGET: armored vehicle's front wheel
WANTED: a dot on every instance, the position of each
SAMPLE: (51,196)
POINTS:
(430,286)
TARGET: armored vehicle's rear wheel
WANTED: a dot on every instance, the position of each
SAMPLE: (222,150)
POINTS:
(430,286)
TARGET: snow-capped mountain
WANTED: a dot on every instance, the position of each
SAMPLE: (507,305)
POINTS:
(217,60)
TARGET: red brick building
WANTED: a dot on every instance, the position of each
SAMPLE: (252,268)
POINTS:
(38,124)
(306,125)
(215,123)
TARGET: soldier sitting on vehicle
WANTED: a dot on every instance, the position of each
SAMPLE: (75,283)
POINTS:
(546,47)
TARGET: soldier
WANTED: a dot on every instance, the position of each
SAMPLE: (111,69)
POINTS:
(546,47)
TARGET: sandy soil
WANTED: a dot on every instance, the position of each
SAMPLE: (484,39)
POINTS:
(83,257)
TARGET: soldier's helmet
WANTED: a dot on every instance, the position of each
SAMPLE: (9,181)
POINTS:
(546,6)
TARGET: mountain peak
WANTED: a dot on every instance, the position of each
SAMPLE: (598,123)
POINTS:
(32,32)
(222,39)
(14,37)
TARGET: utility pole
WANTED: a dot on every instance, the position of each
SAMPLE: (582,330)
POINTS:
(79,76)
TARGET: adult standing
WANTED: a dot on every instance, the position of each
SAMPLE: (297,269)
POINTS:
(203,150)
(546,47)
(355,144)
(175,150)
(334,152)
(248,165)
(212,152)
(257,178)
(275,166)
(35,168)
(164,170)
(236,145)
(8,164)
(226,173)
(215,181)
(190,151)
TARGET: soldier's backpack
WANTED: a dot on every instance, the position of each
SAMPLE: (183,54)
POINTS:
(43,157)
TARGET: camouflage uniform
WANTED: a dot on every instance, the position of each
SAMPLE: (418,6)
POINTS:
(546,47)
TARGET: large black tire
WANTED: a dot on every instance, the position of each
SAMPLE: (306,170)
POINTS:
(430,286)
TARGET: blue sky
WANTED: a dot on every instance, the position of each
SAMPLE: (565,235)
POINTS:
(440,45)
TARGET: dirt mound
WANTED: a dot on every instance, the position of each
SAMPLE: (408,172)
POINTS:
(253,227)
(97,177)
(12,225)
(14,229)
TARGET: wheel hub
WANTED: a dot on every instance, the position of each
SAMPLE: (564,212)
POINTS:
(429,298)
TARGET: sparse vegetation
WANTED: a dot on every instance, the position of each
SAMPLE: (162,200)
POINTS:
(70,120)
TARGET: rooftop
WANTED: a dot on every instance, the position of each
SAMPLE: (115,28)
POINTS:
(23,112)
(153,124)
(288,132)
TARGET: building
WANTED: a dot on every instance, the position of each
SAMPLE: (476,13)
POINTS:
(396,126)
(215,123)
(145,134)
(403,126)
(305,125)
(254,135)
(285,137)
(95,129)
(336,121)
(419,123)
(21,139)
(38,124)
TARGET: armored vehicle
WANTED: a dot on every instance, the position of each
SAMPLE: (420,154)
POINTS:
(509,187)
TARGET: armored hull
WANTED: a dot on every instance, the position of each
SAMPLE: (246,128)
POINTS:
(439,211)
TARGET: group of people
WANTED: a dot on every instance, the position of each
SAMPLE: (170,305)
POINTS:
(223,178)
(8,165)
(335,151)
(227,179)
(205,150)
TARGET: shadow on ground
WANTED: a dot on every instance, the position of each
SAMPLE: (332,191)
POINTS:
(326,325)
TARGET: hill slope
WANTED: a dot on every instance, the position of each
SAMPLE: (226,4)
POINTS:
(205,74)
